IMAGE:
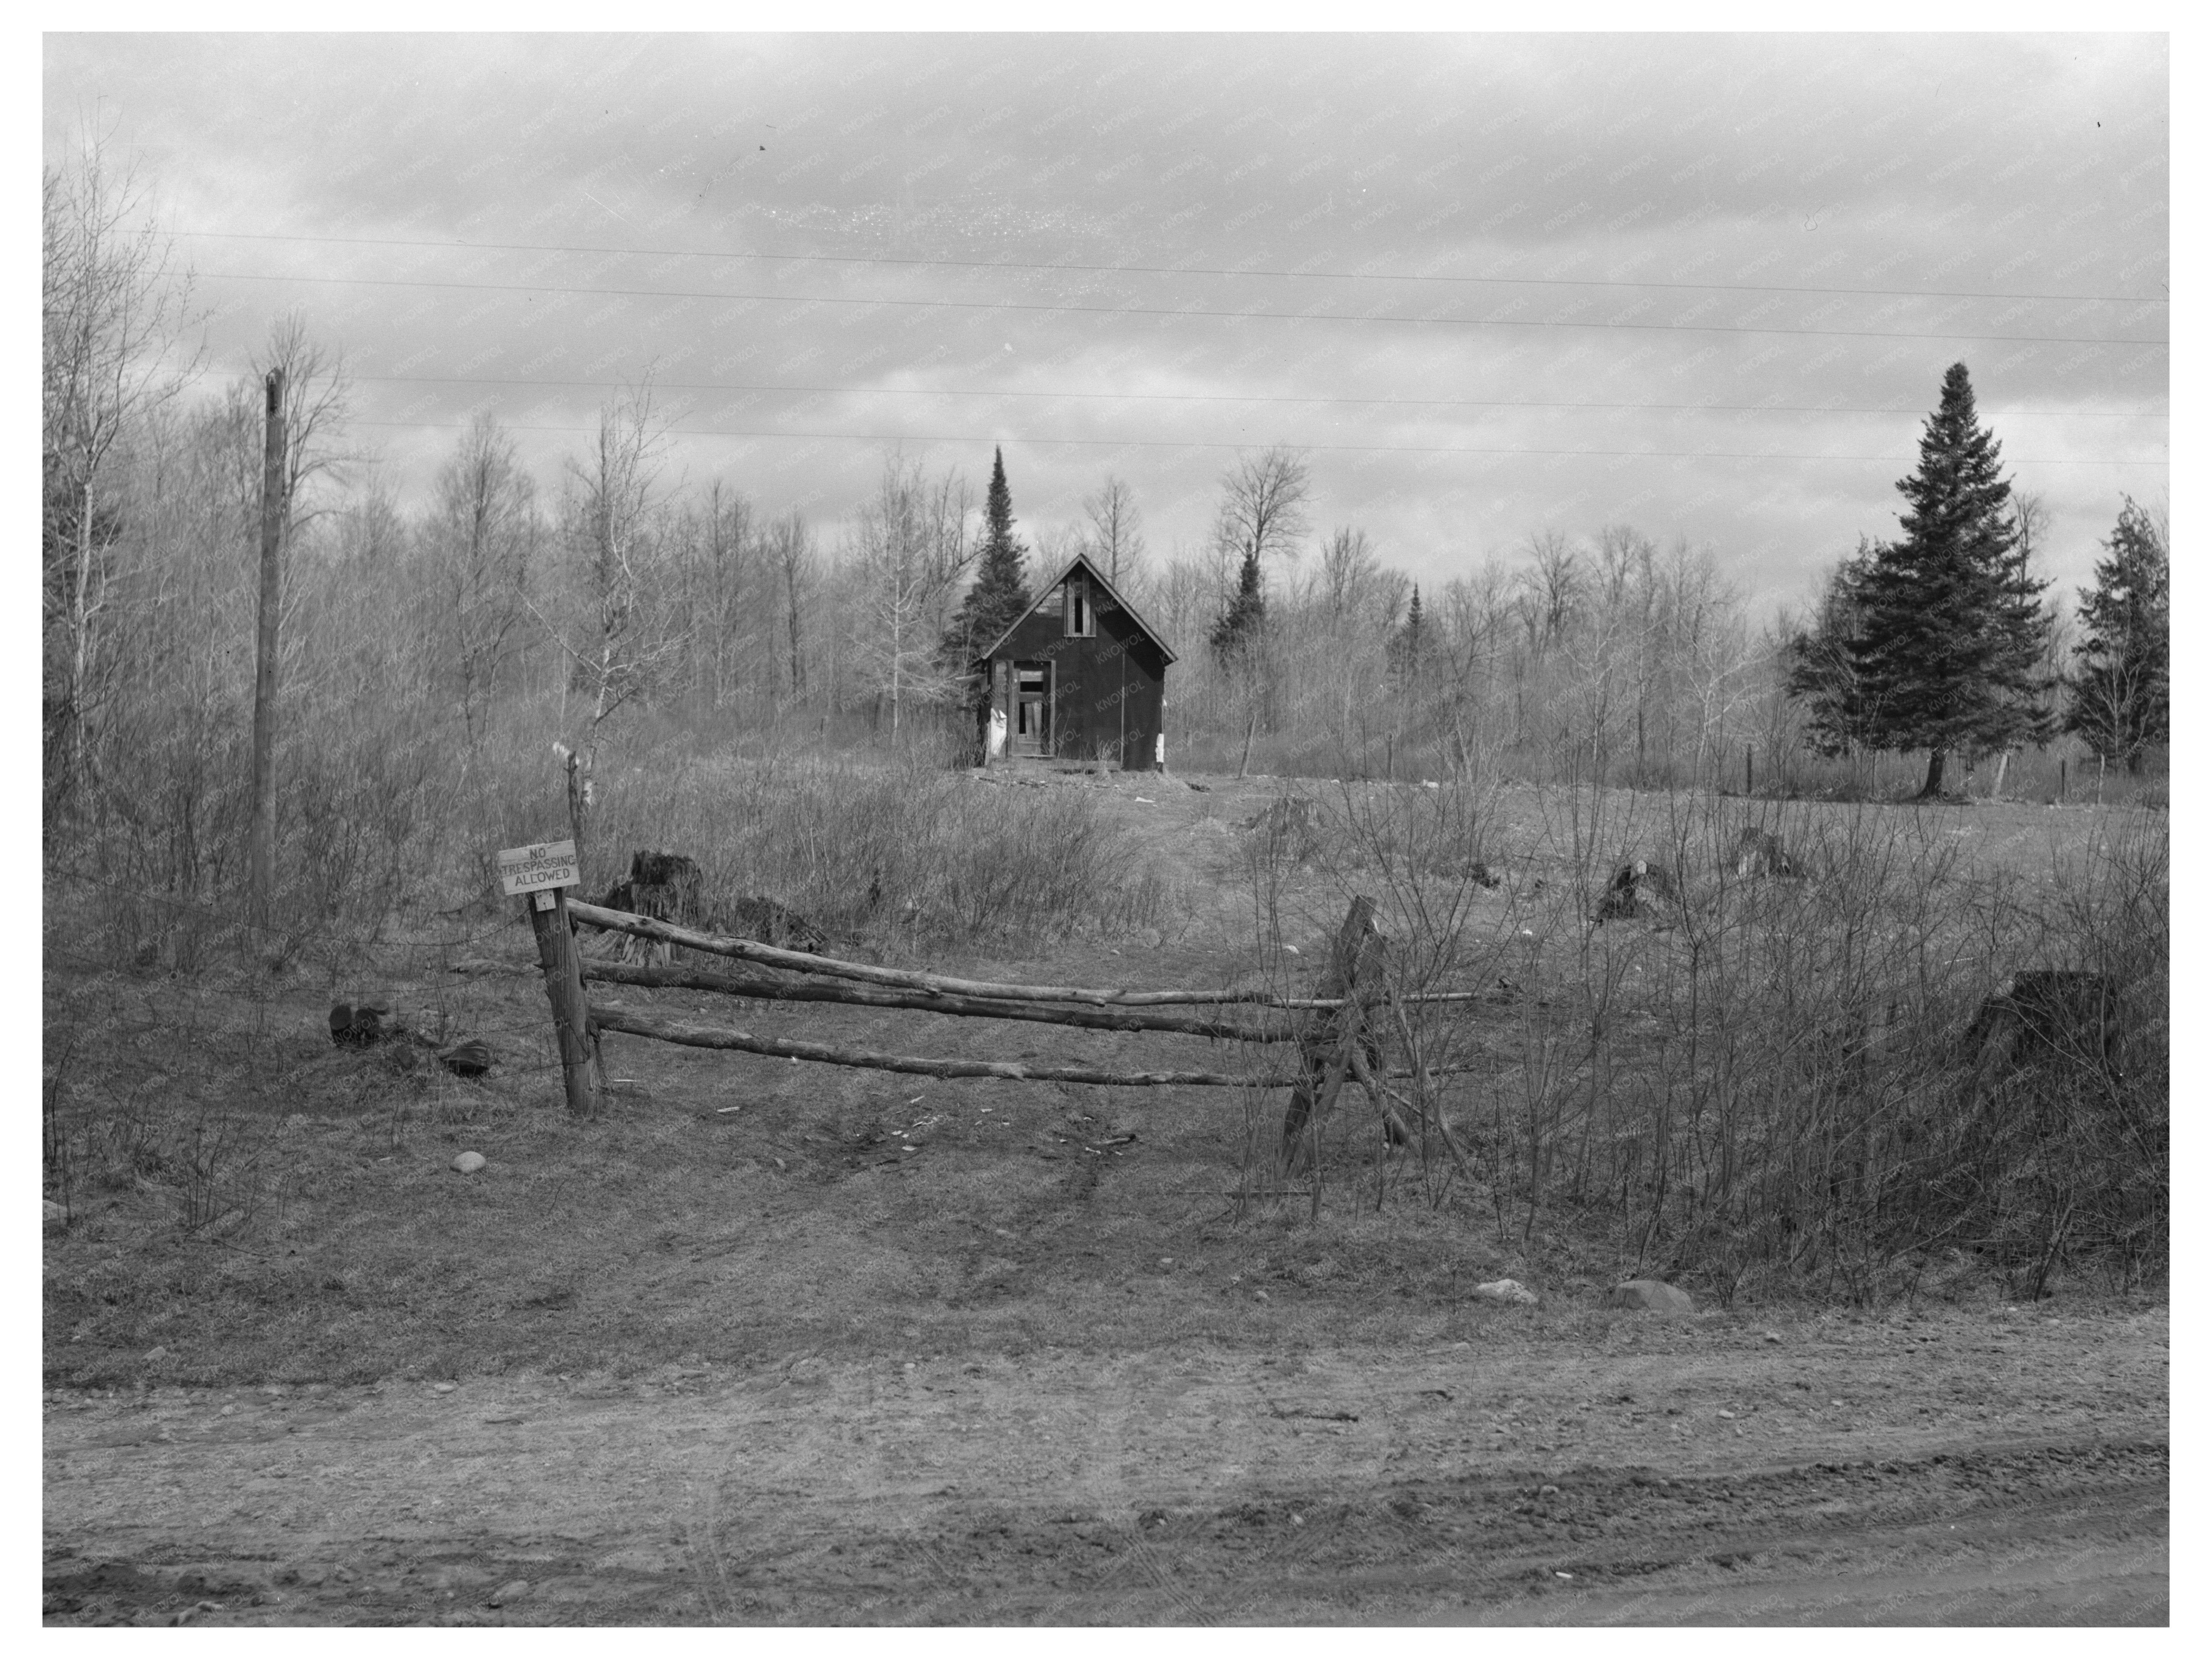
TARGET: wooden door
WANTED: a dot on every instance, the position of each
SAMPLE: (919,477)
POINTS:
(1032,723)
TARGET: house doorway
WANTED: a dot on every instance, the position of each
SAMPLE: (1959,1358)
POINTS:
(1032,722)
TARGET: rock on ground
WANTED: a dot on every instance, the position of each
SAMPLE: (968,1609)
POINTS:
(1651,1295)
(1507,1290)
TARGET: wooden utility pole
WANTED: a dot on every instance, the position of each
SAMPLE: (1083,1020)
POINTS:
(261,830)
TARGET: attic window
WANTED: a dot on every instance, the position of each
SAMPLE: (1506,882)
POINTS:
(1082,622)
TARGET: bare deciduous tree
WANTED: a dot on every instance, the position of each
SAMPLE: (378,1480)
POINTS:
(1552,586)
(114,318)
(317,403)
(609,519)
(911,547)
(625,629)
(790,552)
(1352,580)
(481,543)
(1263,502)
(1116,536)
(726,574)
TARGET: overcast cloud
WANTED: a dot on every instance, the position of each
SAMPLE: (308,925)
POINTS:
(1703,285)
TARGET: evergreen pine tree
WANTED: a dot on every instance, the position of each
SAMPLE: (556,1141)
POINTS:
(1236,629)
(1409,636)
(1000,593)
(1823,673)
(2118,699)
(1951,633)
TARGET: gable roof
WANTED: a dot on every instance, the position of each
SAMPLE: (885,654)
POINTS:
(1082,560)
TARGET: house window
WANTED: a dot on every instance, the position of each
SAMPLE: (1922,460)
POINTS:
(1082,622)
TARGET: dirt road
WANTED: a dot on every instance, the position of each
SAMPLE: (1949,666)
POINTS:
(1966,1468)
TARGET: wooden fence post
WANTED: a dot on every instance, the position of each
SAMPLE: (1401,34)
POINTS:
(539,875)
(1330,1039)
(564,989)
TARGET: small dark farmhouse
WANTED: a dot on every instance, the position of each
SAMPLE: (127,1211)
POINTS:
(1079,677)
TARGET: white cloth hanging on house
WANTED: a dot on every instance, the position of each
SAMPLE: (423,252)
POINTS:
(998,738)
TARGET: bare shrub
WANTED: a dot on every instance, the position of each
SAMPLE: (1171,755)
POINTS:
(1789,1084)
(2059,1151)
(1384,844)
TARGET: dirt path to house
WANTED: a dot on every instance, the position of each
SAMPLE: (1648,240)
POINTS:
(1953,1471)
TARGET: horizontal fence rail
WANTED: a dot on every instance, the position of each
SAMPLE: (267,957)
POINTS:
(761,987)
(615,1018)
(801,961)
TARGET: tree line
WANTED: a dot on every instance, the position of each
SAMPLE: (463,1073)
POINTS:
(508,602)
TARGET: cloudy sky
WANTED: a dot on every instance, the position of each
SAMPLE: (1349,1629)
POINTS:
(1493,285)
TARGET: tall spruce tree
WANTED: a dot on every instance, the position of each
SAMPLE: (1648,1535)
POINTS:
(1238,626)
(2118,700)
(1000,593)
(1823,673)
(1951,631)
(1403,654)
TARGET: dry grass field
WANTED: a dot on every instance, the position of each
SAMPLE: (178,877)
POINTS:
(780,1342)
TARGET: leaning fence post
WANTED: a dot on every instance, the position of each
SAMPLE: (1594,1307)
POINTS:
(539,875)
(1331,1038)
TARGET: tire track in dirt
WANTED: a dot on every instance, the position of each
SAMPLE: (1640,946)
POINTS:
(1101,1483)
(1183,1484)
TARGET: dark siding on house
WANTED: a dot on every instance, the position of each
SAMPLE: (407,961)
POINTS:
(1105,690)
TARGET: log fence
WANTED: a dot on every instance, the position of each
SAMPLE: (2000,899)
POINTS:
(1338,1032)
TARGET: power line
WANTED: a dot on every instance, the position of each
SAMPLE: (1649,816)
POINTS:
(1172,311)
(1199,443)
(1228,398)
(1173,271)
